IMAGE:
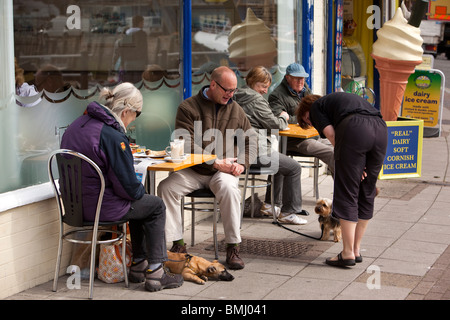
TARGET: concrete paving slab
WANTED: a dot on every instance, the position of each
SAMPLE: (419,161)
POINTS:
(360,291)
(402,267)
(301,288)
(247,285)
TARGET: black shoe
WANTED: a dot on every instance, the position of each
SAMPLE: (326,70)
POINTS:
(340,262)
(303,213)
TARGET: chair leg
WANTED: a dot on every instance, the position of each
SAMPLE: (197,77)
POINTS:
(92,265)
(272,197)
(244,189)
(124,254)
(58,263)
(182,213)
(316,178)
(192,223)
(252,198)
(216,245)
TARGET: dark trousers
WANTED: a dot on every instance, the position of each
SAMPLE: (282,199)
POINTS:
(147,221)
(361,143)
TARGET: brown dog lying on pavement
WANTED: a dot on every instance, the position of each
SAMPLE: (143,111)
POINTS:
(195,268)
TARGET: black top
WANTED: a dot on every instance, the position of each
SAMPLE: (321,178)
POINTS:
(334,107)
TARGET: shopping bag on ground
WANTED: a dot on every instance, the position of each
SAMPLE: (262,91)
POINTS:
(110,269)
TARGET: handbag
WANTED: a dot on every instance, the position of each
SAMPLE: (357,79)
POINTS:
(110,269)
(257,206)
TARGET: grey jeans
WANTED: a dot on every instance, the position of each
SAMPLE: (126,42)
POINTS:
(321,149)
(287,185)
(147,218)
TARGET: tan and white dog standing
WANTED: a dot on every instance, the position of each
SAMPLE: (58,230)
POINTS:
(327,222)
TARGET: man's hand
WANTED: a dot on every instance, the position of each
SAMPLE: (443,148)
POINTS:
(285,115)
(229,165)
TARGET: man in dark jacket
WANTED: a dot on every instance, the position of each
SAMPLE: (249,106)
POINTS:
(99,134)
(286,97)
(207,119)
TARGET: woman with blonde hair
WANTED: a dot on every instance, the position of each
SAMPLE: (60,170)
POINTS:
(124,101)
(100,135)
(287,183)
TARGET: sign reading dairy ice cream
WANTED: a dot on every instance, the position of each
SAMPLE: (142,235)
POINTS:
(423,97)
(397,51)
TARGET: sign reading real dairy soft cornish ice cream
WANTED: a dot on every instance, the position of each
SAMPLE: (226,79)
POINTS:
(404,152)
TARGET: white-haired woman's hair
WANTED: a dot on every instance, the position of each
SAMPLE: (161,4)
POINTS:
(123,96)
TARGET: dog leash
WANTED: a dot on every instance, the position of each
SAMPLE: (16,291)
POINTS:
(276,222)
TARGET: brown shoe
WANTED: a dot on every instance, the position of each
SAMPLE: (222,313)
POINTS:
(233,260)
(178,248)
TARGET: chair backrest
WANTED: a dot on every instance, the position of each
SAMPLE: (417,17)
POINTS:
(69,194)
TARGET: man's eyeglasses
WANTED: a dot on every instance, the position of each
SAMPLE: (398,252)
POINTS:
(229,91)
(138,113)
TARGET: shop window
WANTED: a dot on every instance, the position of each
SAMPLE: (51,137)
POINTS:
(242,34)
(66,50)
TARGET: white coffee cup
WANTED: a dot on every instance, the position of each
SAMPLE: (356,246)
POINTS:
(176,149)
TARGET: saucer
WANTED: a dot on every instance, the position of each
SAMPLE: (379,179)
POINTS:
(175,160)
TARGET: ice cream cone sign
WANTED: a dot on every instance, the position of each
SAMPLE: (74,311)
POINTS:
(250,43)
(397,51)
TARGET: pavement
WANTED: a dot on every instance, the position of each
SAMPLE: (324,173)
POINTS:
(406,253)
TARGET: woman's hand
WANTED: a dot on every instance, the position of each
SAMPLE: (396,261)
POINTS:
(364,175)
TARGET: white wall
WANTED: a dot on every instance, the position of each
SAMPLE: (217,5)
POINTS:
(320,34)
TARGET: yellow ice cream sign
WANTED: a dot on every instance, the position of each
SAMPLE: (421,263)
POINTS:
(422,98)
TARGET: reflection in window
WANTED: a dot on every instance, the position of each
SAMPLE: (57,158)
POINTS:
(96,42)
(69,49)
(244,34)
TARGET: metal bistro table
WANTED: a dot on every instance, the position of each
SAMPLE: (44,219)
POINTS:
(191,160)
(295,131)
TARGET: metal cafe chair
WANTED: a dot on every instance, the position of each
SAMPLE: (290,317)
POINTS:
(251,175)
(191,206)
(70,206)
(313,164)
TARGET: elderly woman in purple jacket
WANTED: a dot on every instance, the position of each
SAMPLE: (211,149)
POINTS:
(100,135)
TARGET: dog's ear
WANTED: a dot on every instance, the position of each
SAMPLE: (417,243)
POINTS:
(211,269)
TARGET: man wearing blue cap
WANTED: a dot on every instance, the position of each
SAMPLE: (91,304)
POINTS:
(286,97)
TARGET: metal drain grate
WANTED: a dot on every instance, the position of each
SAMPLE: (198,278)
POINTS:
(271,248)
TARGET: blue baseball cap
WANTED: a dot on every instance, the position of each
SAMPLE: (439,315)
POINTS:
(296,70)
